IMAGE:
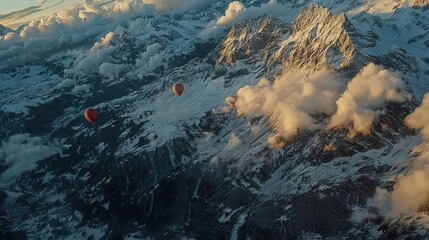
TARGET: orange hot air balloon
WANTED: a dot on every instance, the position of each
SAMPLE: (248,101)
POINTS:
(91,115)
(178,89)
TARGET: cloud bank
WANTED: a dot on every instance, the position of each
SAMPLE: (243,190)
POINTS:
(366,95)
(293,100)
(101,58)
(290,102)
(67,28)
(21,153)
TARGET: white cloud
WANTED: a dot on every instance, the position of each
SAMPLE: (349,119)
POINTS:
(289,102)
(101,52)
(366,95)
(140,25)
(293,100)
(151,50)
(155,61)
(150,59)
(214,160)
(254,128)
(66,83)
(81,89)
(207,136)
(413,188)
(67,28)
(21,153)
(236,12)
(111,70)
(232,12)
(233,141)
(92,20)
(410,193)
(419,118)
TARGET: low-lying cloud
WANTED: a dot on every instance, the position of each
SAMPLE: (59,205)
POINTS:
(237,11)
(290,101)
(410,193)
(293,101)
(67,28)
(21,153)
(101,52)
(233,141)
(81,89)
(66,83)
(366,95)
(232,12)
(151,59)
(419,118)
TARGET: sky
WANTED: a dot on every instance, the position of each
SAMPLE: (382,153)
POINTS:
(18,12)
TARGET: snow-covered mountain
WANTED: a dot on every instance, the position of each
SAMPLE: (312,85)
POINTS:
(299,120)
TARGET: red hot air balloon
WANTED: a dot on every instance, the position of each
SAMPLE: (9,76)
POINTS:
(178,89)
(91,115)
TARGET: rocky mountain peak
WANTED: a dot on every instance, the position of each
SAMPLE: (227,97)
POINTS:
(250,38)
(316,40)
(320,39)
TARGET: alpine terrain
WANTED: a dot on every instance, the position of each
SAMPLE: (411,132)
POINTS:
(299,120)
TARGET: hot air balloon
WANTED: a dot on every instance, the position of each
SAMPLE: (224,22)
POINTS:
(91,115)
(178,89)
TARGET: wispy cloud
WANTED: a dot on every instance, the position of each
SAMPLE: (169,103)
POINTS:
(19,17)
(12,18)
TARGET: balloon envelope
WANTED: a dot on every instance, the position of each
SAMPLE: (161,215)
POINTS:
(178,89)
(91,115)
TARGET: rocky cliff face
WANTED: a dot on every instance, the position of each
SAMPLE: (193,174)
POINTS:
(158,166)
(254,39)
(320,39)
